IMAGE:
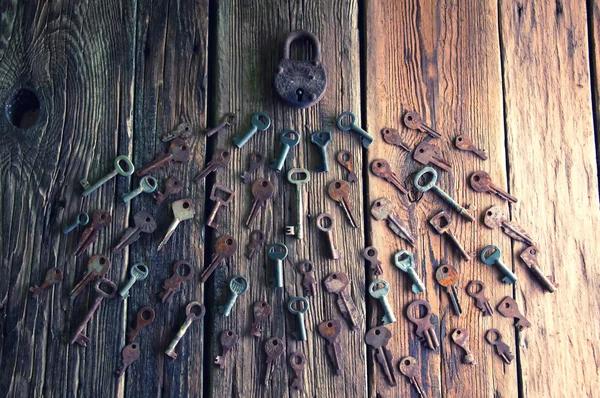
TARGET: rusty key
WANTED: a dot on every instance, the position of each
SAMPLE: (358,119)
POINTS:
(257,241)
(179,152)
(378,338)
(129,355)
(447,276)
(261,311)
(339,190)
(413,121)
(309,283)
(441,223)
(100,219)
(297,362)
(182,210)
(482,182)
(183,131)
(225,249)
(529,256)
(494,338)
(426,153)
(392,137)
(145,316)
(222,196)
(464,143)
(330,331)
(228,120)
(370,254)
(257,160)
(98,266)
(53,277)
(101,294)
(476,289)
(461,337)
(228,339)
(425,330)
(262,190)
(274,349)
(172,186)
(495,217)
(182,271)
(509,308)
(382,169)
(194,312)
(408,367)
(346,159)
(219,161)
(142,223)
(337,283)
(383,209)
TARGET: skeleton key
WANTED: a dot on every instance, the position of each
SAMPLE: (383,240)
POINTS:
(262,190)
(337,283)
(297,362)
(257,160)
(509,308)
(100,219)
(426,153)
(260,122)
(464,143)
(409,368)
(225,249)
(194,312)
(222,196)
(130,354)
(182,271)
(339,190)
(366,140)
(148,184)
(392,137)
(381,168)
(228,120)
(238,285)
(172,186)
(425,330)
(482,182)
(413,121)
(142,223)
(476,289)
(98,266)
(490,255)
(182,210)
(182,131)
(289,139)
(493,337)
(346,159)
(379,289)
(119,169)
(298,177)
(325,224)
(309,283)
(138,272)
(529,256)
(447,276)
(330,330)
(145,316)
(273,348)
(53,277)
(261,311)
(494,217)
(220,160)
(461,337)
(228,340)
(406,262)
(321,139)
(383,209)
(179,152)
(370,254)
(378,338)
(81,219)
(101,294)
(441,223)
(277,252)
(257,241)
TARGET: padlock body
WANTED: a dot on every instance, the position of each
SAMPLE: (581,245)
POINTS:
(300,84)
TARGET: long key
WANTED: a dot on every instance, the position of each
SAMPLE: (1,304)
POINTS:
(129,355)
(123,166)
(378,338)
(379,289)
(172,187)
(495,217)
(100,219)
(97,267)
(509,308)
(53,277)
(261,311)
(289,139)
(183,131)
(337,283)
(325,224)
(321,139)
(138,272)
(142,223)
(461,337)
(482,182)
(367,139)
(238,285)
(413,121)
(383,209)
(330,330)
(273,348)
(101,294)
(408,367)
(464,143)
(225,249)
(228,339)
(425,330)
(260,122)
(346,159)
(144,317)
(298,177)
(392,137)
(257,241)
(370,254)
(447,276)
(490,255)
(441,224)
(476,289)
(179,152)
(297,362)
(299,312)
(406,263)
(381,168)
(262,190)
(431,186)
(426,153)
(339,190)
(182,271)
(81,219)
(220,160)
(222,196)
(257,160)
(277,252)
(494,338)
(529,256)
(228,120)
(193,312)
(309,283)
(182,210)
(148,184)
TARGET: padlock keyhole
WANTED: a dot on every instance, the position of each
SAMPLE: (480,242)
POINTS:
(300,94)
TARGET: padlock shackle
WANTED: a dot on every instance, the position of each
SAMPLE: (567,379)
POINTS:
(302,34)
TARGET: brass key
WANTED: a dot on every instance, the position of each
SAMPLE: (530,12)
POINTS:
(179,152)
(426,153)
(413,121)
(339,190)
(482,182)
(182,210)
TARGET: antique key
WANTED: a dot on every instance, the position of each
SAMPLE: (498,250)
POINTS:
(441,223)
(98,266)
(273,348)
(297,362)
(138,272)
(260,122)
(182,271)
(298,177)
(406,262)
(339,190)
(299,311)
(228,120)
(509,308)
(426,153)
(219,161)
(129,355)
(330,330)
(144,317)
(409,368)
(182,131)
(494,338)
(379,289)
(172,186)
(321,139)
(257,160)
(413,121)
(476,289)
(464,143)
(482,182)
(238,285)
(367,139)
(225,249)
(461,337)
(425,330)
(447,276)
(179,152)
(261,311)
(101,294)
(383,209)
(309,283)
(277,252)
(53,277)
(494,217)
(370,254)
(392,137)
(262,190)
(148,184)
(381,168)
(194,311)
(289,139)
(81,219)
(529,256)
(123,166)
(346,159)
(222,196)
(142,223)
(257,241)
(378,338)
(182,210)
(228,340)
(100,219)
(490,255)
(337,283)
(325,224)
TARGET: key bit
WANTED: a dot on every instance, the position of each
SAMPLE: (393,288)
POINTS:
(408,367)
(104,289)
(309,283)
(225,248)
(219,161)
(338,283)
(447,276)
(179,152)
(144,317)
(130,354)
(494,338)
(370,254)
(182,131)
(405,261)
(229,119)
(297,362)
(392,137)
(481,181)
(476,289)
(495,217)
(222,196)
(274,349)
(378,338)
(260,122)
(413,121)
(426,153)
(509,308)
(182,271)
(97,267)
(257,160)
(321,139)
(339,191)
(425,330)
(490,255)
(194,312)
(228,340)
(325,224)
(53,277)
(461,337)
(261,311)
(530,257)
(142,223)
(382,169)
(441,224)
(366,139)
(464,143)
(330,331)
(383,209)
(346,159)
(257,241)
(100,219)
(172,187)
(81,219)
(182,210)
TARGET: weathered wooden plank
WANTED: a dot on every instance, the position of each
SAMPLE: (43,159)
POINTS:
(594,28)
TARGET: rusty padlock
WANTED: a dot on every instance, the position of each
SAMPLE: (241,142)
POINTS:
(301,84)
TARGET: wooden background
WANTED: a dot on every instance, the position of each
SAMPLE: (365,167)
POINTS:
(520,77)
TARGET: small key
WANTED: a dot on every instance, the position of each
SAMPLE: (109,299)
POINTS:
(228,340)
(381,168)
(260,122)
(529,256)
(262,190)
(330,330)
(182,271)
(476,289)
(220,160)
(441,223)
(238,285)
(53,277)
(130,354)
(482,182)
(409,368)
(494,218)
(425,330)
(379,289)
(321,139)
(392,137)
(447,276)
(509,308)
(493,337)
(273,348)
(123,166)
(182,131)
(297,362)
(100,219)
(346,159)
(461,337)
(426,153)
(339,190)
(101,294)
(225,249)
(298,177)
(228,120)
(193,312)
(383,209)
(179,152)
(337,283)
(309,283)
(413,121)
(222,196)
(299,311)
(172,187)
(144,317)
(464,143)
(431,186)
(289,139)
(257,241)
(406,262)
(257,160)
(81,219)
(366,140)
(378,338)
(148,184)
(97,267)
(325,224)
(370,254)
(138,272)
(277,252)
(183,210)
(142,223)
(490,255)
(261,311)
